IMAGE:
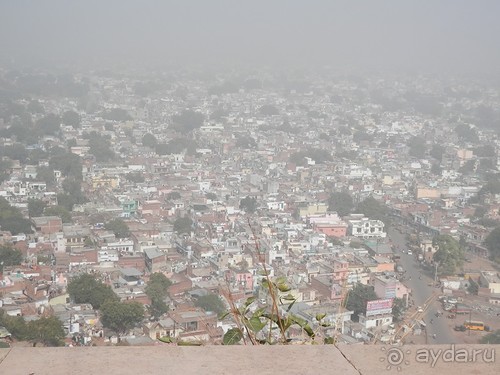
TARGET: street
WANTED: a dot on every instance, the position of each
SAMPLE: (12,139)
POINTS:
(421,291)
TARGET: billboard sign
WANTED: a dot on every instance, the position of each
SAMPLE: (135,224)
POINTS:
(379,306)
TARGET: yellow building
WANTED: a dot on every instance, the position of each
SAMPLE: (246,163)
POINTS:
(105,181)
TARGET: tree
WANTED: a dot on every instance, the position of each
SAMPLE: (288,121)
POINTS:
(116,114)
(100,147)
(491,338)
(210,302)
(9,257)
(248,204)
(5,166)
(121,316)
(183,225)
(437,151)
(340,202)
(436,169)
(466,133)
(16,325)
(48,331)
(473,287)
(174,195)
(480,211)
(492,243)
(449,256)
(417,147)
(71,118)
(372,208)
(398,309)
(149,140)
(49,124)
(58,211)
(358,297)
(11,219)
(118,227)
(187,121)
(136,177)
(157,290)
(246,142)
(36,207)
(86,289)
(211,196)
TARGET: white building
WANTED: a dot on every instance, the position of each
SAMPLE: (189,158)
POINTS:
(366,228)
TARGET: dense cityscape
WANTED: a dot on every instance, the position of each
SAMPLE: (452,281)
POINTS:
(193,207)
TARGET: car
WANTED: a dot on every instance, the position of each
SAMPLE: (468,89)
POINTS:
(460,328)
(410,252)
(420,309)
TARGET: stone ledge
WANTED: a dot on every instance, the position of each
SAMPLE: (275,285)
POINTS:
(295,359)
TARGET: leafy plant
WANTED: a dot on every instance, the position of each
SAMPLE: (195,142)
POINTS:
(269,325)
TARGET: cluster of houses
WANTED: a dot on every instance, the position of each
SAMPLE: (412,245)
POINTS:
(292,231)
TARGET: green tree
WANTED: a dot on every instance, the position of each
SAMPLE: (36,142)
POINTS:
(358,298)
(491,338)
(71,118)
(149,140)
(473,287)
(398,309)
(46,175)
(466,133)
(436,169)
(492,243)
(373,209)
(100,147)
(136,177)
(16,325)
(248,204)
(174,195)
(116,114)
(49,331)
(9,257)
(36,207)
(118,227)
(157,290)
(417,147)
(48,125)
(211,196)
(437,151)
(58,211)
(183,225)
(210,302)
(11,219)
(5,166)
(187,121)
(340,202)
(120,317)
(86,289)
(449,256)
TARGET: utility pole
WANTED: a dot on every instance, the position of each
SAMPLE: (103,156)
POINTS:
(435,272)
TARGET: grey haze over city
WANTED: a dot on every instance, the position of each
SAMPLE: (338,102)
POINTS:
(195,173)
(429,36)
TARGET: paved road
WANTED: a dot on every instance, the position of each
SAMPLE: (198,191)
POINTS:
(421,291)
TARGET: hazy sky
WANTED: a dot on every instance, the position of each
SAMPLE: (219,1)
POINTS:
(428,35)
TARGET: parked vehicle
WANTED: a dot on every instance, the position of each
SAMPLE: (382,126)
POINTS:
(474,325)
(460,309)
